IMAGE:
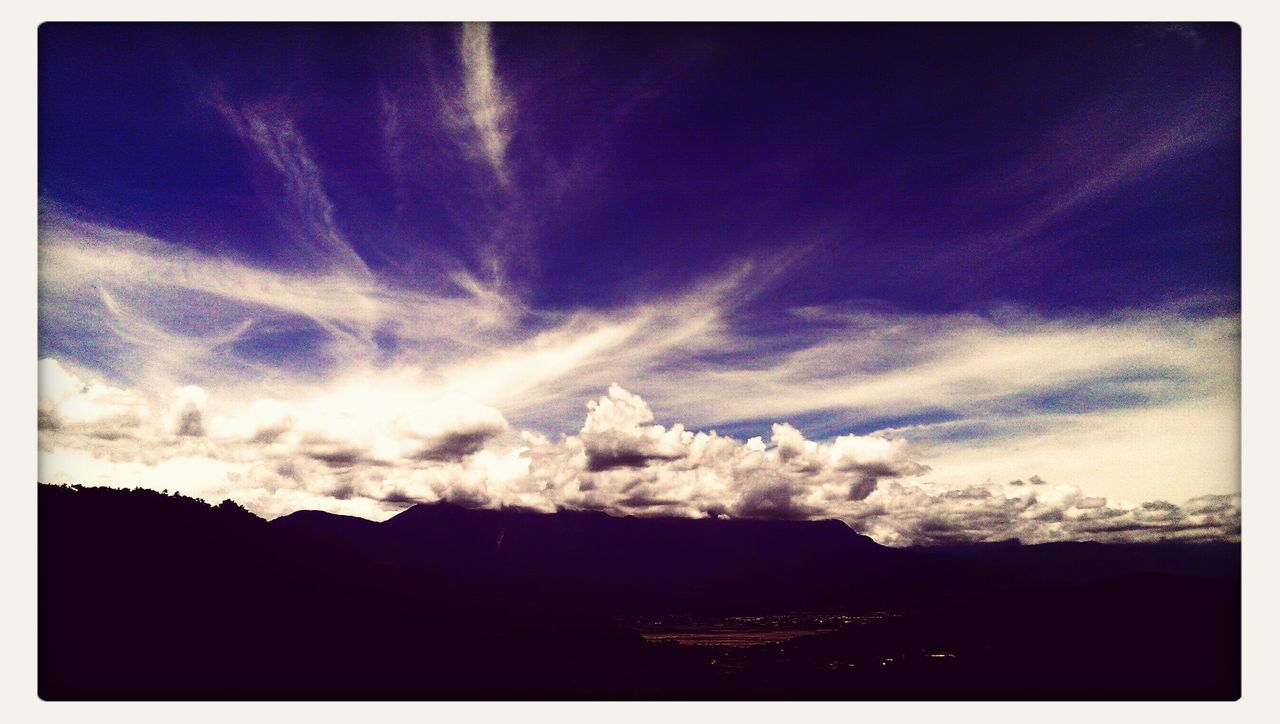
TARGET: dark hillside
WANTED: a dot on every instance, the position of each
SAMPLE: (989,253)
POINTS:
(144,595)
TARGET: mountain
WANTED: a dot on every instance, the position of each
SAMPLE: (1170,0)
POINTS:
(144,595)
(1088,561)
(665,565)
(148,596)
(634,565)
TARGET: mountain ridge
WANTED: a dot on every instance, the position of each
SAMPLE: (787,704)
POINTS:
(146,595)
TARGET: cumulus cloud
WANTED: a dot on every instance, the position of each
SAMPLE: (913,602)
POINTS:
(275,457)
(866,458)
(622,461)
(617,433)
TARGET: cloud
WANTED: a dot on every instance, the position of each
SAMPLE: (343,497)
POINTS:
(1084,159)
(865,458)
(66,402)
(616,433)
(884,363)
(155,308)
(401,449)
(269,420)
(356,421)
(488,106)
(940,515)
(277,139)
(398,445)
(188,411)
(364,427)
(1160,383)
(621,460)
(461,433)
(865,363)
(765,494)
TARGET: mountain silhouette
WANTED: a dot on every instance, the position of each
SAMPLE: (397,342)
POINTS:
(634,565)
(144,595)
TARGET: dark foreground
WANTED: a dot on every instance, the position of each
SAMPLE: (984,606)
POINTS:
(146,596)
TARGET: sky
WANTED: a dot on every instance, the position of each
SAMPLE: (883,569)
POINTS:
(945,282)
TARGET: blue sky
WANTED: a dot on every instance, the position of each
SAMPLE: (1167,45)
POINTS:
(378,263)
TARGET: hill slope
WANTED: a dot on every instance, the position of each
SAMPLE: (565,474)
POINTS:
(148,596)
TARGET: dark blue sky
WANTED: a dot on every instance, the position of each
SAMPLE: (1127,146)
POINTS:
(929,167)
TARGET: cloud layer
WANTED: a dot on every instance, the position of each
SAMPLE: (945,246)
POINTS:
(371,395)
(276,456)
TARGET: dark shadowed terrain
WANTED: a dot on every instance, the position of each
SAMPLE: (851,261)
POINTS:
(149,596)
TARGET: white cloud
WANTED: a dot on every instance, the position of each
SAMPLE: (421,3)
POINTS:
(471,370)
(617,433)
(1177,449)
(276,137)
(138,298)
(270,419)
(488,107)
(889,364)
(401,448)
(68,401)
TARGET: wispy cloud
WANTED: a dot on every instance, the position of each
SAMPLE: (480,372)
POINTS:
(488,106)
(1093,155)
(884,363)
(277,139)
(160,307)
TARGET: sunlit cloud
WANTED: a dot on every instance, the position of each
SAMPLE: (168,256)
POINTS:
(472,375)
(374,448)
